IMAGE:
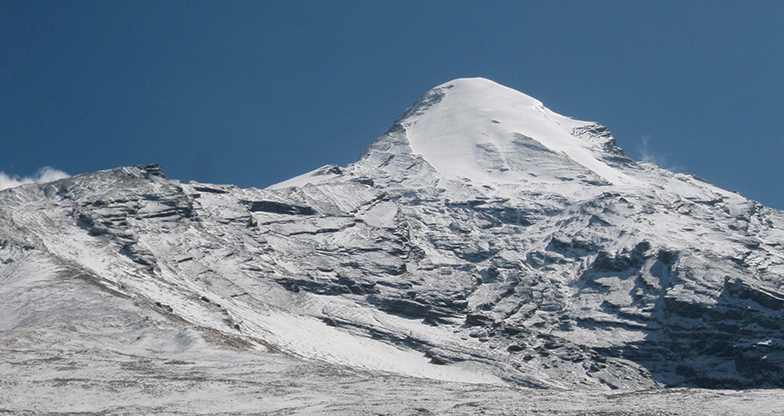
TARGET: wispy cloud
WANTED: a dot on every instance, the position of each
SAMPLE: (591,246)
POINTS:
(648,155)
(45,174)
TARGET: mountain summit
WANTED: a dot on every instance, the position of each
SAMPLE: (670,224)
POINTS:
(481,239)
(489,133)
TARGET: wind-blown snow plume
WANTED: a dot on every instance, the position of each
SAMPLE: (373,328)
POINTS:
(45,174)
(648,155)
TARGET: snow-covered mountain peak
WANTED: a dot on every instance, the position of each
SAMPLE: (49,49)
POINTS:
(482,238)
(477,129)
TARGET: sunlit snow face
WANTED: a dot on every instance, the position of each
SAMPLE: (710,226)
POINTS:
(489,133)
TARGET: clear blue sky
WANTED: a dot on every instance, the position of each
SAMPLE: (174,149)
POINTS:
(252,93)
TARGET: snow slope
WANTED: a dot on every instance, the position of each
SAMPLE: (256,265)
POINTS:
(490,133)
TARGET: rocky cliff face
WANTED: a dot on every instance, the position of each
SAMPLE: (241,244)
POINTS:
(482,238)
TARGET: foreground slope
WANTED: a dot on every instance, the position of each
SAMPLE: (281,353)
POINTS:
(482,239)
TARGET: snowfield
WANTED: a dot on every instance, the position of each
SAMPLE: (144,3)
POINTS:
(483,255)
